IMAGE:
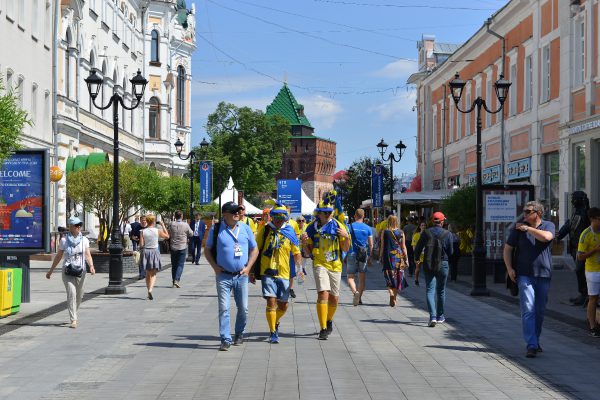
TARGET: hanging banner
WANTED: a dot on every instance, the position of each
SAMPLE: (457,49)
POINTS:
(289,192)
(206,172)
(377,186)
(240,199)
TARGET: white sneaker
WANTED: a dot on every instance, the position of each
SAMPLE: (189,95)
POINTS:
(432,323)
(356,299)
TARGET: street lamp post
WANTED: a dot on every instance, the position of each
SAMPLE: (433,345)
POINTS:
(479,268)
(400,148)
(138,84)
(191,156)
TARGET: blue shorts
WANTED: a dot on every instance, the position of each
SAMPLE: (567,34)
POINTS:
(354,265)
(276,287)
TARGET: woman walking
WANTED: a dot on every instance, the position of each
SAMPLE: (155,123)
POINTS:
(74,251)
(151,254)
(393,257)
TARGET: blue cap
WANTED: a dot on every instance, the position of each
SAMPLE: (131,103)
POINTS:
(75,221)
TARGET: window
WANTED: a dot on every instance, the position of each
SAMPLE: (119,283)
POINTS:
(181,96)
(528,83)
(452,113)
(579,167)
(545,90)
(468,116)
(579,53)
(434,131)
(9,81)
(10,9)
(19,91)
(513,91)
(154,47)
(551,193)
(154,118)
(290,167)
(48,23)
(67,65)
(489,95)
(20,12)
(46,107)
(34,103)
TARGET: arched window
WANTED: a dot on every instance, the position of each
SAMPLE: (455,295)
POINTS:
(154,118)
(180,96)
(154,48)
(67,65)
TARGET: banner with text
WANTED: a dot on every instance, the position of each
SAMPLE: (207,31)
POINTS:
(377,186)
(289,192)
(206,172)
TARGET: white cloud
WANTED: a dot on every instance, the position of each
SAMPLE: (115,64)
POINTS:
(321,111)
(400,69)
(400,106)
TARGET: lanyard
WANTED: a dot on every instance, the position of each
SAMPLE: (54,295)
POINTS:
(233,233)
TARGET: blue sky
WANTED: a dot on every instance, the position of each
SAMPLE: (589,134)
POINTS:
(347,61)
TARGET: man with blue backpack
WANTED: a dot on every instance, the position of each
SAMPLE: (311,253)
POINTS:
(436,244)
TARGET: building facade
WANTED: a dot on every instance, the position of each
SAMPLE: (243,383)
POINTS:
(548,133)
(310,158)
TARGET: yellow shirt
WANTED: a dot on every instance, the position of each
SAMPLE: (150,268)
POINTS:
(587,241)
(280,256)
(415,240)
(381,226)
(326,249)
(294,225)
(250,222)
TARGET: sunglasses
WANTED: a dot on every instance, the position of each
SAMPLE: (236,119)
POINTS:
(527,212)
(326,212)
(77,226)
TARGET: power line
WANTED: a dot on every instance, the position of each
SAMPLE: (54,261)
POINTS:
(351,3)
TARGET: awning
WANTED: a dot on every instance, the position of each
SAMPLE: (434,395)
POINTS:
(414,198)
(82,162)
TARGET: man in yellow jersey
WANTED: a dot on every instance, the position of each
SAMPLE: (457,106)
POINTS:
(588,250)
(247,220)
(277,243)
(294,226)
(326,239)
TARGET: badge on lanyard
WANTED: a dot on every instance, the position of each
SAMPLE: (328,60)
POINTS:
(237,250)
(329,256)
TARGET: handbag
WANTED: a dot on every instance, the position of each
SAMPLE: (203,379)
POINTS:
(136,257)
(73,271)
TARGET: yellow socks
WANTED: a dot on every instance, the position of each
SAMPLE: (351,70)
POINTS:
(322,313)
(330,311)
(271,314)
(279,313)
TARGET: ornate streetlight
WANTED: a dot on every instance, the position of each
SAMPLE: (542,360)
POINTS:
(400,148)
(138,84)
(479,268)
(191,156)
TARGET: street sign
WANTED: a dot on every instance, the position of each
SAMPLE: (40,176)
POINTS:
(206,171)
(289,192)
(377,186)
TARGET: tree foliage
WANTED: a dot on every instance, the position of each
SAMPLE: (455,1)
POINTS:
(12,121)
(459,207)
(247,145)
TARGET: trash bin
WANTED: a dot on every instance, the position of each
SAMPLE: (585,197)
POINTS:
(11,280)
(16,290)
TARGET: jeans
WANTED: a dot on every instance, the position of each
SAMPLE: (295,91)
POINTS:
(177,262)
(239,285)
(435,285)
(533,294)
(196,248)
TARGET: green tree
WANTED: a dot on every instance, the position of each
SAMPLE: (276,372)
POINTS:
(12,121)
(357,186)
(459,207)
(247,145)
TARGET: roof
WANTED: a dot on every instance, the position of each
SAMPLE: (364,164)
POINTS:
(285,104)
(313,137)
(445,48)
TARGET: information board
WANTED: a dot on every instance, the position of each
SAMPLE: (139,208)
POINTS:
(289,192)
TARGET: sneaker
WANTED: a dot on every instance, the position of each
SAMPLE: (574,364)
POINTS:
(277,328)
(441,319)
(329,327)
(274,339)
(432,323)
(73,324)
(595,332)
(356,299)
(224,346)
(323,334)
(176,284)
(531,353)
(292,294)
(238,340)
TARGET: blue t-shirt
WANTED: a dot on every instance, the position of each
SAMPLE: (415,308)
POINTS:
(534,257)
(360,235)
(226,240)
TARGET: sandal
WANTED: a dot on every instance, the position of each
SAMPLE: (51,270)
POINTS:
(392,301)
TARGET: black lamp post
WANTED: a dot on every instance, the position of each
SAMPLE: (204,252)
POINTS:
(191,156)
(138,84)
(479,268)
(400,148)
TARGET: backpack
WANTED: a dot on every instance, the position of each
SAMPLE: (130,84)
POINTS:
(256,266)
(433,251)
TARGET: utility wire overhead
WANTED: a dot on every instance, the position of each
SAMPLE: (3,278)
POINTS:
(351,3)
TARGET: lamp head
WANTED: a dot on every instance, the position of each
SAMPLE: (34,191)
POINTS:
(502,86)
(382,146)
(400,148)
(94,82)
(456,88)
(178,146)
(138,83)
(204,144)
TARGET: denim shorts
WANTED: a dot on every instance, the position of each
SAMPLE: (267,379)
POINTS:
(354,265)
(276,287)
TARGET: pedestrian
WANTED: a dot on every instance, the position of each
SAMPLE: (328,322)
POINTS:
(409,229)
(393,257)
(296,229)
(419,261)
(359,255)
(140,248)
(302,238)
(589,252)
(231,251)
(247,220)
(134,233)
(151,254)
(198,226)
(179,234)
(278,243)
(573,227)
(453,259)
(326,239)
(436,242)
(125,231)
(532,240)
(73,252)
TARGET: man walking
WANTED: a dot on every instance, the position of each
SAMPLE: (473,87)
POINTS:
(532,239)
(326,239)
(362,248)
(278,243)
(198,227)
(247,220)
(179,232)
(409,229)
(589,252)
(437,244)
(134,233)
(231,252)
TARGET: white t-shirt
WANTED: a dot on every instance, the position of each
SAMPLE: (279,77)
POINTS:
(77,257)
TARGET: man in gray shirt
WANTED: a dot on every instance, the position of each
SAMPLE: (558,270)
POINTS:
(179,232)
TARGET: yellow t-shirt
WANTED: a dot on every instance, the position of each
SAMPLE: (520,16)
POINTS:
(250,222)
(587,241)
(381,227)
(415,240)
(294,225)
(280,253)
(326,249)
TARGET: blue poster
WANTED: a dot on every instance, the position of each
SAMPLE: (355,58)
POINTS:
(289,192)
(206,170)
(21,201)
(377,186)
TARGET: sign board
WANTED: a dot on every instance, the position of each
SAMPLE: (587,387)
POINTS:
(488,176)
(519,169)
(289,192)
(377,186)
(206,172)
(500,207)
(24,191)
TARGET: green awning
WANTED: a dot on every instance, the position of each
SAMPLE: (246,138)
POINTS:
(82,162)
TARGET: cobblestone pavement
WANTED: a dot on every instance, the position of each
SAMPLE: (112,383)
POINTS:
(127,347)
